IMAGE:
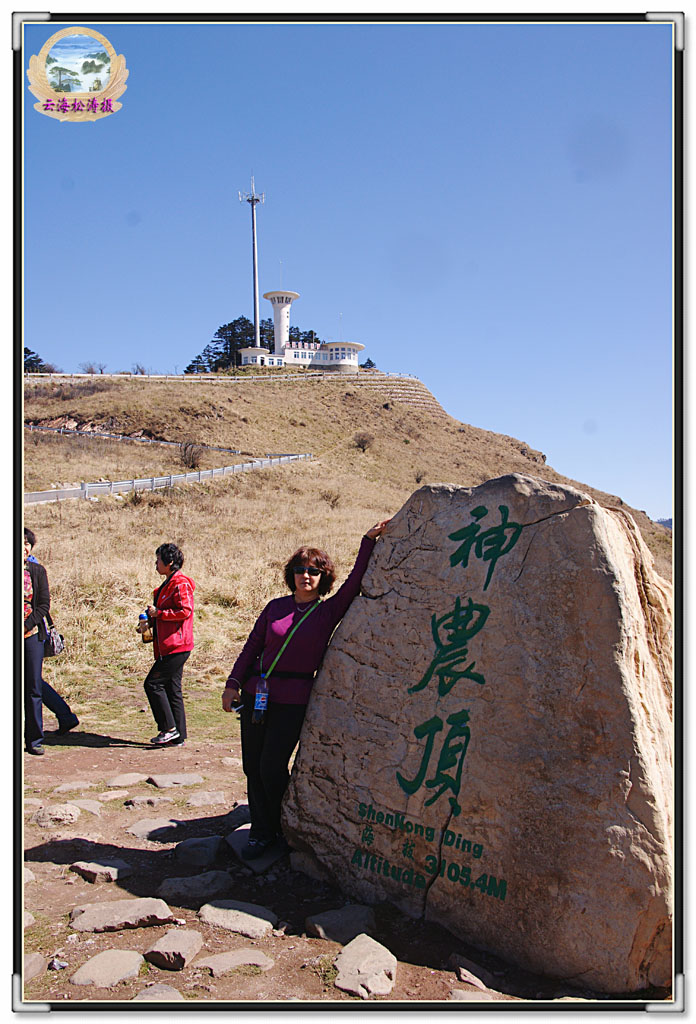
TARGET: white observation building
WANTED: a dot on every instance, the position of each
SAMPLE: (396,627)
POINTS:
(341,356)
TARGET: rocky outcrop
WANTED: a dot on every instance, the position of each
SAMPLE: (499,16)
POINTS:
(488,743)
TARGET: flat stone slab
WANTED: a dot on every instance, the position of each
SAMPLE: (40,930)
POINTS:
(128,779)
(31,803)
(463,995)
(365,968)
(92,806)
(342,925)
(174,950)
(199,852)
(34,966)
(177,779)
(244,918)
(237,841)
(470,972)
(67,787)
(222,963)
(210,883)
(206,798)
(56,814)
(153,828)
(116,915)
(116,794)
(108,968)
(159,993)
(232,762)
(28,919)
(102,871)
(29,875)
(148,801)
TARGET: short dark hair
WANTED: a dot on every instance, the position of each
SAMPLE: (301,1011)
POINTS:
(171,555)
(30,536)
(316,557)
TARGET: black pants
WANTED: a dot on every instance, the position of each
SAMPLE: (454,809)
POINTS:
(33,710)
(163,689)
(266,750)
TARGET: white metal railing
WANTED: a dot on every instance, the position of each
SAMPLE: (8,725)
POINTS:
(242,378)
(154,483)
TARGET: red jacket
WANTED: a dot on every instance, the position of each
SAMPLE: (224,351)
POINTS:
(173,632)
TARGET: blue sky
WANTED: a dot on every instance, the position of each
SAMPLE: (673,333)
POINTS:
(487,207)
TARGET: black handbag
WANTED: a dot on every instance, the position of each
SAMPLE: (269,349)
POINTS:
(54,642)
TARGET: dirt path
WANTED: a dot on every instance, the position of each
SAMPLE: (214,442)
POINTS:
(303,966)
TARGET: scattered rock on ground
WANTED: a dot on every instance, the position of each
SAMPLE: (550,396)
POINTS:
(93,806)
(236,916)
(200,851)
(308,865)
(29,875)
(177,779)
(157,992)
(175,949)
(56,814)
(34,966)
(342,925)
(232,762)
(66,787)
(118,914)
(222,963)
(148,801)
(152,828)
(108,968)
(31,803)
(365,968)
(116,794)
(128,779)
(103,871)
(239,816)
(463,995)
(210,883)
(28,919)
(206,798)
(470,972)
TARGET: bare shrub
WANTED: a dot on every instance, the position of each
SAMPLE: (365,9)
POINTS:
(88,367)
(138,368)
(332,498)
(190,454)
(363,440)
(133,498)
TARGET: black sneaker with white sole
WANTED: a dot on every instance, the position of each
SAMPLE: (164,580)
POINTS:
(165,737)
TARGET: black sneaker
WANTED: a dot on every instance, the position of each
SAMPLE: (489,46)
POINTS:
(35,750)
(165,737)
(256,848)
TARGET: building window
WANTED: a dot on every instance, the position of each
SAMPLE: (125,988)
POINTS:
(253,359)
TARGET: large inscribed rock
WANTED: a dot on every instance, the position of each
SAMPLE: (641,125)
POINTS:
(488,742)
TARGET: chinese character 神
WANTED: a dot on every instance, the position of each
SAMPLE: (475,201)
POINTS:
(490,544)
(451,634)
(452,755)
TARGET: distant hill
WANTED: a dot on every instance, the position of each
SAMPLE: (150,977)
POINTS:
(414,441)
(665,522)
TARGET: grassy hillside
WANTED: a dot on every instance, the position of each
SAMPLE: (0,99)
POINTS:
(236,533)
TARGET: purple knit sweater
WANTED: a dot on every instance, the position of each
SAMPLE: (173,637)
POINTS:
(306,648)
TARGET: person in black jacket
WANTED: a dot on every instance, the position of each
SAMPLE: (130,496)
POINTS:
(37,602)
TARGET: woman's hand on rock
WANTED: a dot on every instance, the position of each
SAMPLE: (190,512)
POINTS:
(378,529)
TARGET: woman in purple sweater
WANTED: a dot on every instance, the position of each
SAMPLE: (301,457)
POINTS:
(267,745)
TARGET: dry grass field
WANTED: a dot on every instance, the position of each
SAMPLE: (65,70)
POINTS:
(236,533)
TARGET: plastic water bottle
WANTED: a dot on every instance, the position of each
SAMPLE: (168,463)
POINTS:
(260,701)
(143,628)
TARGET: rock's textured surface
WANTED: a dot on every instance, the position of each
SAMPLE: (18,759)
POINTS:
(365,968)
(34,966)
(153,828)
(68,787)
(29,875)
(220,964)
(176,779)
(157,993)
(245,918)
(488,742)
(343,924)
(92,806)
(118,914)
(174,950)
(56,814)
(108,968)
(206,798)
(210,883)
(127,779)
(108,870)
(147,801)
(199,852)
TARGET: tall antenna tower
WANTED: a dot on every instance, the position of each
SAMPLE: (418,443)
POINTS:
(252,198)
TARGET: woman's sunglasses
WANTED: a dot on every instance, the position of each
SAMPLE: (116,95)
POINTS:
(300,570)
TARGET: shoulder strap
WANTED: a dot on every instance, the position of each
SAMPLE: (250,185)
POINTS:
(288,638)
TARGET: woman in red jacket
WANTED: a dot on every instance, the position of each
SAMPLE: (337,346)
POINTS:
(171,618)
